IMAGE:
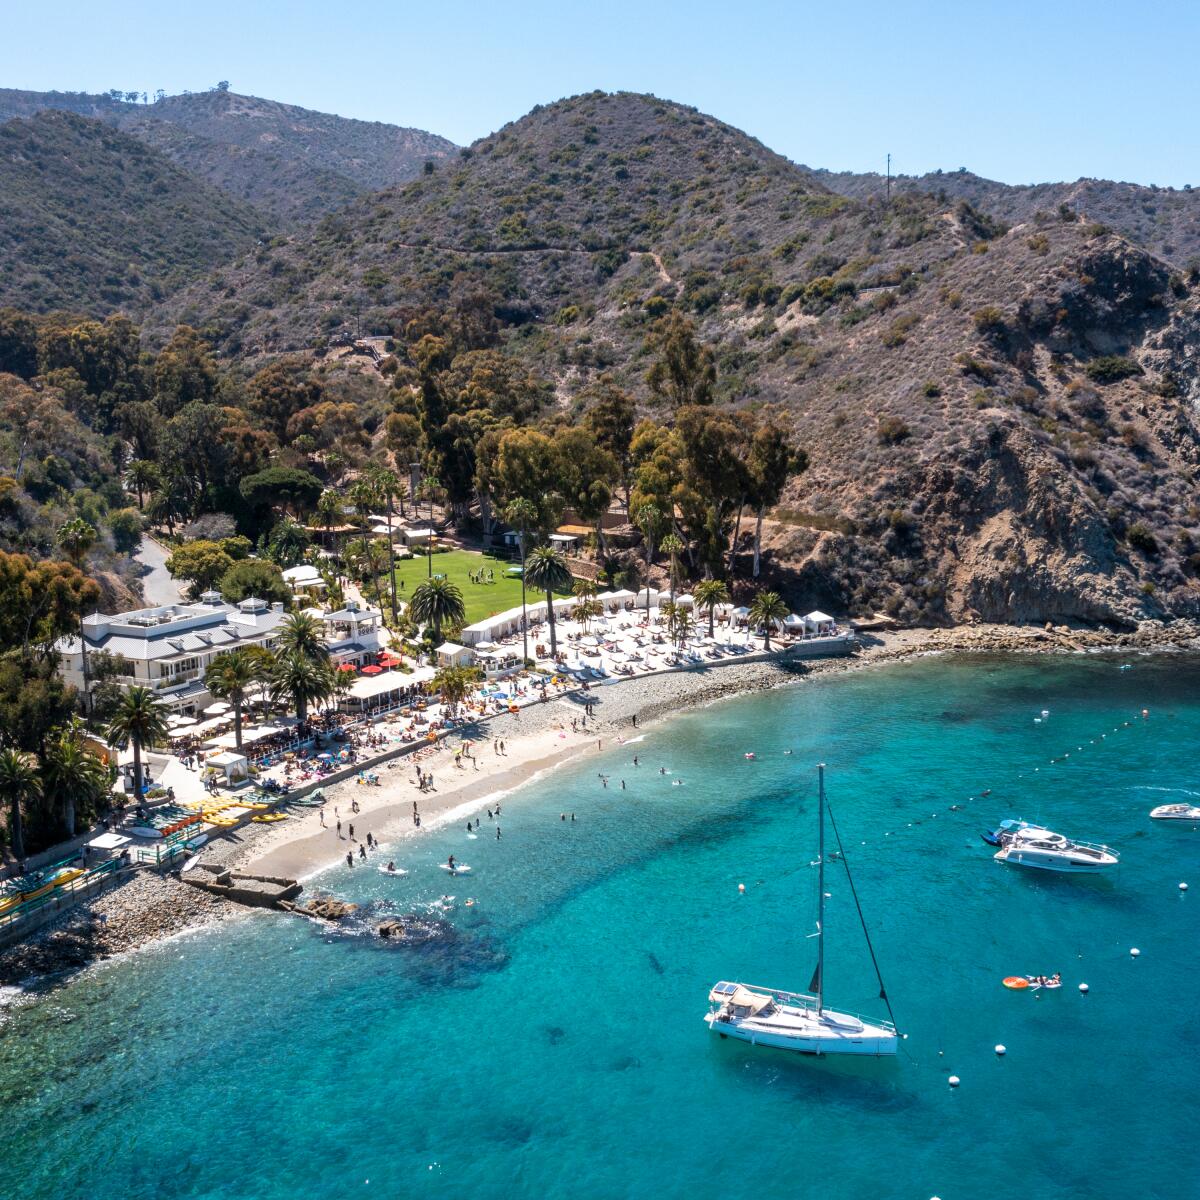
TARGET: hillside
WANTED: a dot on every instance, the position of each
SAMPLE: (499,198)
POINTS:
(1165,221)
(94,220)
(997,418)
(291,162)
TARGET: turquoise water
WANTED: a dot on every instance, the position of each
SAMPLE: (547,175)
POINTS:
(553,1044)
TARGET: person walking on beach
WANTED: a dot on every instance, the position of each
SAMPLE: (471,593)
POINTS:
(352,833)
(323,825)
(339,828)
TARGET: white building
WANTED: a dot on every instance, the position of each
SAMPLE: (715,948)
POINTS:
(168,648)
(352,634)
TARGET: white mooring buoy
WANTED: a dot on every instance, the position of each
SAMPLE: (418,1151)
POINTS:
(1083,987)
(954,1081)
(1134,953)
(1183,887)
(1001,1049)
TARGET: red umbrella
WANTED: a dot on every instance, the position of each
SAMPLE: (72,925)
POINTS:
(372,670)
(346,667)
(388,660)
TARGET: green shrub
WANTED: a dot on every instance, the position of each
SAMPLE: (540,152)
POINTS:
(891,430)
(1109,368)
(989,320)
(1140,538)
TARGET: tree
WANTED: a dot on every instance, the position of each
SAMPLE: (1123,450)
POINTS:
(522,515)
(547,569)
(301,633)
(710,594)
(436,602)
(141,722)
(527,466)
(287,487)
(650,520)
(202,563)
(288,543)
(126,527)
(76,537)
(18,344)
(19,786)
(770,462)
(184,371)
(254,577)
(41,602)
(143,476)
(766,609)
(674,547)
(611,420)
(231,675)
(585,475)
(388,487)
(679,623)
(454,684)
(73,778)
(684,371)
(301,679)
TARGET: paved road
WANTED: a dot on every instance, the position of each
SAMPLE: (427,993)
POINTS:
(157,585)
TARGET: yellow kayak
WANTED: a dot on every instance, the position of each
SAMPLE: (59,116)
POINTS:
(45,889)
(7,903)
(65,875)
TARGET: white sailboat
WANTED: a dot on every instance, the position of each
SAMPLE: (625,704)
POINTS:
(799,1021)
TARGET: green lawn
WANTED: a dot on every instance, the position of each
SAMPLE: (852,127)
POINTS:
(482,599)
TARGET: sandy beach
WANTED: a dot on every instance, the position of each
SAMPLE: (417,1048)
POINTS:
(150,907)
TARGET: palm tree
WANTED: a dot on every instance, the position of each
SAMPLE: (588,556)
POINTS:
(302,633)
(585,610)
(679,624)
(387,485)
(76,537)
(454,684)
(143,477)
(710,595)
(19,786)
(231,675)
(674,547)
(301,679)
(436,601)
(329,510)
(363,496)
(547,569)
(523,515)
(71,774)
(140,721)
(767,608)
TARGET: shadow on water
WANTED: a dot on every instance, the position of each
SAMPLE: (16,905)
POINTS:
(880,1085)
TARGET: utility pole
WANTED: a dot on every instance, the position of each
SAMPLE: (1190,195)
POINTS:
(889,179)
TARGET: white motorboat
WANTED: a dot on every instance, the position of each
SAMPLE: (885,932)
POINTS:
(1176,812)
(1033,846)
(799,1021)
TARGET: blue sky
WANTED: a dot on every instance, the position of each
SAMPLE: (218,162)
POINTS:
(1020,91)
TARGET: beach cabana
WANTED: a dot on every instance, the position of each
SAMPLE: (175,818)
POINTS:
(740,615)
(794,623)
(819,623)
(623,597)
(234,768)
(451,654)
(687,600)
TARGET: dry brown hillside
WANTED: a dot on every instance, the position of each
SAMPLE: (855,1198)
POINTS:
(999,418)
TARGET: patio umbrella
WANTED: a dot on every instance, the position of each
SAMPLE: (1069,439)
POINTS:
(216,709)
(345,666)
(325,757)
(387,659)
(372,670)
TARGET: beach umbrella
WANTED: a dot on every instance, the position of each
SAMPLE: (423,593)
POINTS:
(345,666)
(372,670)
(387,659)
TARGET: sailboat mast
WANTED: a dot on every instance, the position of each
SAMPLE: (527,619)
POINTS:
(820,884)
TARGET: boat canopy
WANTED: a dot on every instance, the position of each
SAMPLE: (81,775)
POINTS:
(740,997)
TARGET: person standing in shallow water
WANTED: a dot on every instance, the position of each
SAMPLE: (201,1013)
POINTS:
(349,858)
(497,833)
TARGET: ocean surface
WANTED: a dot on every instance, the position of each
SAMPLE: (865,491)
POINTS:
(550,1042)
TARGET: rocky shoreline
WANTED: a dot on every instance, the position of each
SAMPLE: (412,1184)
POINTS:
(149,906)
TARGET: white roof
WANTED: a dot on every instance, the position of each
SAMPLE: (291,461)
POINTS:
(621,594)
(741,611)
(254,734)
(108,841)
(686,598)
(226,758)
(818,617)
(450,648)
(564,537)
(370,686)
(304,573)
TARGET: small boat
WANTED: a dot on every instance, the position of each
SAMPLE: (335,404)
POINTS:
(799,1021)
(1033,846)
(1176,812)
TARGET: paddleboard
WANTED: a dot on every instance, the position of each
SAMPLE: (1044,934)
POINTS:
(457,869)
(472,835)
(191,862)
(397,872)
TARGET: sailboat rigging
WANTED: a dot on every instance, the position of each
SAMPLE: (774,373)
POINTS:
(799,1021)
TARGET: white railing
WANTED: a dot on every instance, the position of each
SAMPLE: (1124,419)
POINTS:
(807,1000)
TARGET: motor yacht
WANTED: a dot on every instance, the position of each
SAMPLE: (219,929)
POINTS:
(1033,846)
